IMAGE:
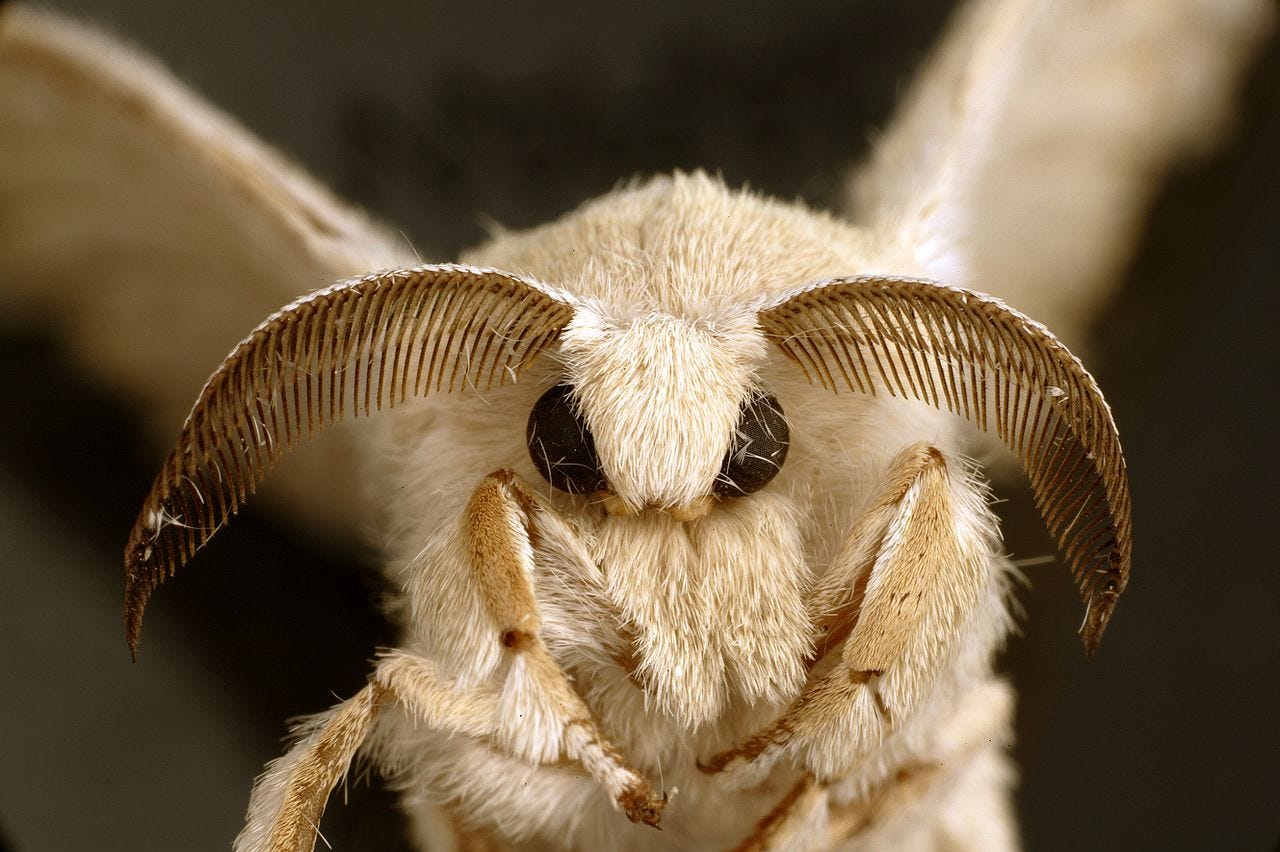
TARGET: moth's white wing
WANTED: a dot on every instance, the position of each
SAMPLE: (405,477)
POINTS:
(150,230)
(1030,143)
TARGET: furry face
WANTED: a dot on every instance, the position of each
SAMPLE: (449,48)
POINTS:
(661,365)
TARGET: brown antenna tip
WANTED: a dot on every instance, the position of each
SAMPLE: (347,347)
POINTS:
(1101,605)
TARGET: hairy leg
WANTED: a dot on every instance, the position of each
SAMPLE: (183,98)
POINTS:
(288,799)
(529,709)
(890,616)
(541,717)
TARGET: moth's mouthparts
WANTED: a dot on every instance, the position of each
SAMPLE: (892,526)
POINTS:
(693,511)
(614,505)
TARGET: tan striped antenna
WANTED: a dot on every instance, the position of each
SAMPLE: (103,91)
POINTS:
(349,349)
(973,355)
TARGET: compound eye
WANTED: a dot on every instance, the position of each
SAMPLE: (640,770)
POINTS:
(562,448)
(759,448)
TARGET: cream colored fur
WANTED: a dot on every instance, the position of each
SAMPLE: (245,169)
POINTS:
(1031,137)
(659,647)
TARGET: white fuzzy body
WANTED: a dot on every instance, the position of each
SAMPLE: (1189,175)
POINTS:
(716,611)
(682,639)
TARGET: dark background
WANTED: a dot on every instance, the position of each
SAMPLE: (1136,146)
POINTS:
(434,116)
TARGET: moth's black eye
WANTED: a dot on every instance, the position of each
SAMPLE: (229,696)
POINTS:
(759,448)
(563,450)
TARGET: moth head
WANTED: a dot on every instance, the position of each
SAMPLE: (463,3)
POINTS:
(665,400)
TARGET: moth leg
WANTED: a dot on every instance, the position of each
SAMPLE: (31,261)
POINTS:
(890,616)
(809,817)
(433,699)
(540,716)
(289,798)
(534,713)
(797,822)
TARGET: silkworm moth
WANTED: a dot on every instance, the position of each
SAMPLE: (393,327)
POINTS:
(683,524)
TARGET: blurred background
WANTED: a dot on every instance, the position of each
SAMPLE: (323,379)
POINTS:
(438,116)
